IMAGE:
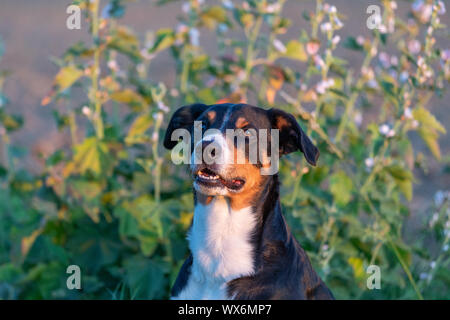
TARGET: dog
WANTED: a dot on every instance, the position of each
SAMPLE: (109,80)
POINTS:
(240,244)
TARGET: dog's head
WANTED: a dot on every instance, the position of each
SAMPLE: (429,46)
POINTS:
(227,142)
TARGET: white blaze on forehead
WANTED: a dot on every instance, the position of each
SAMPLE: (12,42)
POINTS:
(223,150)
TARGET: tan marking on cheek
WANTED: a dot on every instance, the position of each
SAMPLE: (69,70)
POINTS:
(211,115)
(252,187)
(253,182)
(282,122)
(241,122)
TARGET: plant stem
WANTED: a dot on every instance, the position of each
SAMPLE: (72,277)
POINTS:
(96,71)
(406,269)
(250,52)
(351,101)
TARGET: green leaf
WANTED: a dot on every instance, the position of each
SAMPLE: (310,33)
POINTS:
(357,266)
(129,97)
(352,44)
(295,50)
(125,41)
(429,130)
(136,134)
(403,178)
(164,39)
(91,155)
(206,95)
(213,15)
(341,186)
(145,277)
(427,119)
(67,76)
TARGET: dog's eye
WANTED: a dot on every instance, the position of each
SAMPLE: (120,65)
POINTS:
(248,132)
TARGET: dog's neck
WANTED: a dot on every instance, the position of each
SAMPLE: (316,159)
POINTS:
(224,242)
(220,241)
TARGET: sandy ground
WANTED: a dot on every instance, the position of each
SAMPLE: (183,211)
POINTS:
(34,31)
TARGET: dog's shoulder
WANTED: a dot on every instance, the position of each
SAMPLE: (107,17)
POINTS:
(183,277)
(286,274)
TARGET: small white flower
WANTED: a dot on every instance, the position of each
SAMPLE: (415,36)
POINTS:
(337,23)
(155,136)
(274,7)
(223,27)
(174,92)
(382,28)
(106,11)
(163,107)
(434,219)
(445,55)
(360,40)
(441,7)
(112,64)
(186,6)
(391,133)
(369,162)
(325,27)
(414,124)
(439,198)
(393,5)
(414,46)
(445,248)
(86,111)
(312,47)
(384,129)
(194,37)
(358,118)
(318,61)
(323,85)
(423,276)
(384,59)
(332,9)
(279,45)
(433,264)
(372,83)
(158,116)
(335,39)
(227,4)
(407,113)
(394,60)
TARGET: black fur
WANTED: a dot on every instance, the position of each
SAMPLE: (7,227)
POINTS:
(282,268)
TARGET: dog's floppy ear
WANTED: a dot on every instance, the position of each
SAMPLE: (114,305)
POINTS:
(184,118)
(291,135)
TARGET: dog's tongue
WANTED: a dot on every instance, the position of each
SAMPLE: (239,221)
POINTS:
(233,184)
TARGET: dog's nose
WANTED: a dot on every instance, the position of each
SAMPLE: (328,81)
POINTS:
(206,143)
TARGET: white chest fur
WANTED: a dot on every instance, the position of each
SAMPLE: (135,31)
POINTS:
(220,244)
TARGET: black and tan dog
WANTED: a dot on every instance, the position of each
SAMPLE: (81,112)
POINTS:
(241,247)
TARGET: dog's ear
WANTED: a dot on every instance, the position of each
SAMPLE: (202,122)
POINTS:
(184,118)
(291,135)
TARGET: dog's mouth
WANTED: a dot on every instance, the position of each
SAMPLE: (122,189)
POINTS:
(210,178)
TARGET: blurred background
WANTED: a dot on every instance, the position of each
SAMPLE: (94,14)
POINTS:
(36,43)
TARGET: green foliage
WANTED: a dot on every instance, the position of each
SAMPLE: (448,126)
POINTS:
(114,204)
